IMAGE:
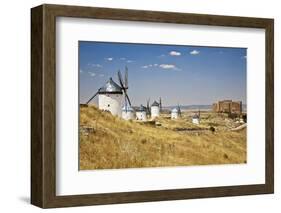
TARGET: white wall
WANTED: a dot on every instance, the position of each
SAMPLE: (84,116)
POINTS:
(15,105)
(174,115)
(111,102)
(141,116)
(155,111)
(129,115)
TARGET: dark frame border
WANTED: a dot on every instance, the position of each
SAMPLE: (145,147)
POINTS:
(43,105)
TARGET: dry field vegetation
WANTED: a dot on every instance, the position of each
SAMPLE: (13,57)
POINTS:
(115,143)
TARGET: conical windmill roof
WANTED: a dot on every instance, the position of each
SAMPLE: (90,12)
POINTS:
(127,108)
(155,103)
(141,109)
(176,109)
(195,116)
(111,87)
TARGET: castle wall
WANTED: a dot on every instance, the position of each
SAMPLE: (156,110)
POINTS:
(228,106)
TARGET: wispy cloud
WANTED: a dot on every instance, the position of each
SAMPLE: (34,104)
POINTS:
(169,66)
(161,56)
(162,66)
(81,71)
(148,65)
(194,52)
(92,74)
(174,53)
(101,75)
(109,59)
(126,59)
(96,65)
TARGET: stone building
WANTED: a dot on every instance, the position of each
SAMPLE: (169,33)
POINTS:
(228,106)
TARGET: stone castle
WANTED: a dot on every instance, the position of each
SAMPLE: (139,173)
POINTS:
(228,106)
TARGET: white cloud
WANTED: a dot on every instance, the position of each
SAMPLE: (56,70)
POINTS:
(194,52)
(101,75)
(175,53)
(161,56)
(96,65)
(81,71)
(92,74)
(163,66)
(169,66)
(109,59)
(122,58)
(149,65)
(130,61)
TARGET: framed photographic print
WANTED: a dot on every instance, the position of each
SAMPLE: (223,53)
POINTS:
(137,106)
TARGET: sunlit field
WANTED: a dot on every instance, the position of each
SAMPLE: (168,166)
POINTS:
(109,142)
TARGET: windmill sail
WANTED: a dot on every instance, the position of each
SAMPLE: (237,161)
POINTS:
(160,104)
(124,86)
(92,97)
(120,79)
(148,106)
(179,110)
(126,78)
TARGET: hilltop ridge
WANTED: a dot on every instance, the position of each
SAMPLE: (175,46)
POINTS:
(111,142)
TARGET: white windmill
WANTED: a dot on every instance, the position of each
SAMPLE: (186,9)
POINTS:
(110,96)
(196,118)
(176,112)
(128,113)
(141,113)
(155,109)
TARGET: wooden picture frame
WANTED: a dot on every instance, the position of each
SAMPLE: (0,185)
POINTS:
(43,105)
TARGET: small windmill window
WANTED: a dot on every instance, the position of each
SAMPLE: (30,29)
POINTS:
(108,105)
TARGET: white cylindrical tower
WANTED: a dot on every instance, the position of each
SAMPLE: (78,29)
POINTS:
(196,119)
(141,113)
(175,113)
(110,98)
(128,113)
(155,110)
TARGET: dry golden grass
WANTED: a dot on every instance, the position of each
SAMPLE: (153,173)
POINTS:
(116,143)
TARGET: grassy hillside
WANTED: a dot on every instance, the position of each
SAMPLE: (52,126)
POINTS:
(115,143)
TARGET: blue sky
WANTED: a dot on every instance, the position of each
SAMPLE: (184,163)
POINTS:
(179,74)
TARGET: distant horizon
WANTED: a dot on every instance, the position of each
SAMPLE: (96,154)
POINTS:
(167,106)
(184,75)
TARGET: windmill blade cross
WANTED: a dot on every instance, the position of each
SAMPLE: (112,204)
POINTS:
(126,78)
(128,98)
(147,106)
(124,87)
(120,80)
